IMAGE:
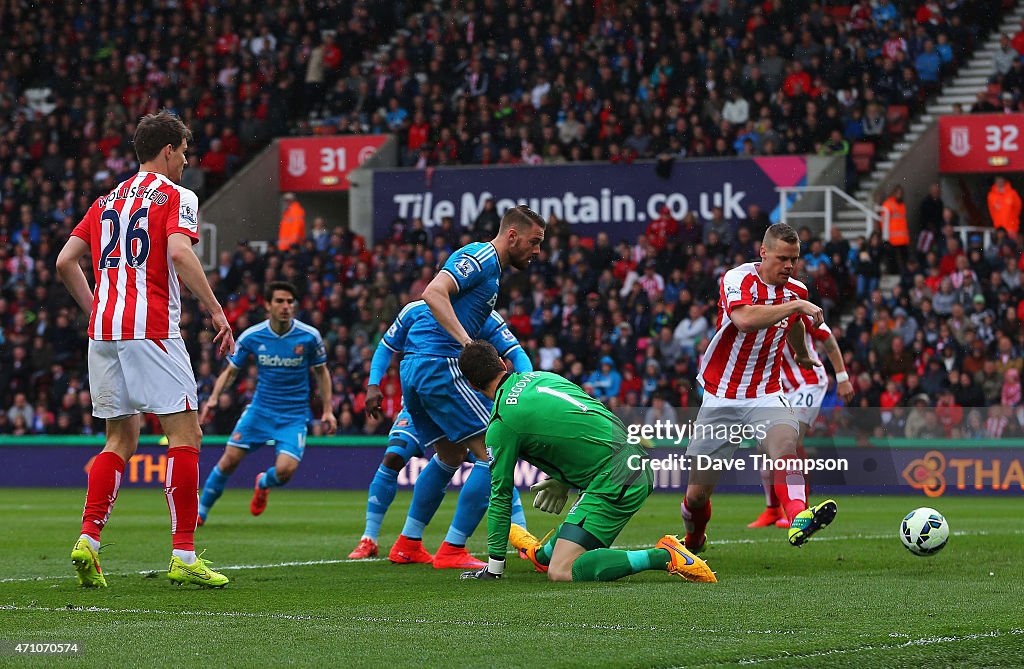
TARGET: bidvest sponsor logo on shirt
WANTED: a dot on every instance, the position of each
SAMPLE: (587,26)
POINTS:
(279,361)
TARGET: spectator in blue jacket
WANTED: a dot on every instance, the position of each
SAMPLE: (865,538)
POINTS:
(606,381)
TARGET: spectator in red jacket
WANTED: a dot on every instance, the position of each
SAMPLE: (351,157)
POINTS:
(661,229)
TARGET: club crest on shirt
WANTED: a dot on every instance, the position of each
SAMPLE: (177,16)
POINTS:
(464,267)
(299,350)
(402,422)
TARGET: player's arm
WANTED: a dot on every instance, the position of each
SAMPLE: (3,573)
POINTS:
(71,273)
(378,368)
(438,296)
(503,443)
(392,342)
(324,387)
(797,339)
(520,360)
(503,340)
(225,379)
(189,269)
(835,356)
(754,317)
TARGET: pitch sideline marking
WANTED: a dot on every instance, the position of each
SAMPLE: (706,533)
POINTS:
(925,641)
(309,563)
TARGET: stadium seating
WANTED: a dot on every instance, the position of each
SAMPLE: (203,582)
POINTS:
(248,75)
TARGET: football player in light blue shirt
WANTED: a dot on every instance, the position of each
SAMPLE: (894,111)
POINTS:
(404,442)
(284,349)
(447,412)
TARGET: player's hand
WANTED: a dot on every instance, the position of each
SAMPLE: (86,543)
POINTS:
(845,390)
(374,397)
(812,311)
(204,412)
(330,423)
(224,339)
(551,496)
(807,362)
(493,571)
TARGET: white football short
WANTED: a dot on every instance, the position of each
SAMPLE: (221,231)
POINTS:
(806,402)
(722,424)
(140,376)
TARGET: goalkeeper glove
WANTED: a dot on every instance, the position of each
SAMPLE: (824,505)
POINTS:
(551,496)
(493,570)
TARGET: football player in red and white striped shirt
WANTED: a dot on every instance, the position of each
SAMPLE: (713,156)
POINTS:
(139,238)
(761,308)
(805,389)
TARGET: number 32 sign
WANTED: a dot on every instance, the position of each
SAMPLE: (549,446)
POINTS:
(323,163)
(981,143)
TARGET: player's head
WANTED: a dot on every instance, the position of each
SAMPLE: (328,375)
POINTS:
(280,297)
(161,141)
(521,233)
(481,365)
(779,252)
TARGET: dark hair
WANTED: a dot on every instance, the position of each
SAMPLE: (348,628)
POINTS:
(155,131)
(480,363)
(521,217)
(268,293)
(780,232)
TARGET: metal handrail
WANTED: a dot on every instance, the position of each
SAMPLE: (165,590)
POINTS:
(967,230)
(879,216)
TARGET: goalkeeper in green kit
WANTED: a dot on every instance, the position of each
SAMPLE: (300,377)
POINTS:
(555,426)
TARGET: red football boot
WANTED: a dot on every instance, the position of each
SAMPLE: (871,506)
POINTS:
(455,557)
(259,497)
(409,551)
(768,517)
(367,548)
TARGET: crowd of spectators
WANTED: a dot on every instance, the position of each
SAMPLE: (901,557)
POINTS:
(483,82)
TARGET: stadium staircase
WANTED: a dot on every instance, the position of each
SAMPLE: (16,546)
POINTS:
(963,89)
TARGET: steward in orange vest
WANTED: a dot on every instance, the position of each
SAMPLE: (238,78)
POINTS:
(899,233)
(1004,207)
(292,230)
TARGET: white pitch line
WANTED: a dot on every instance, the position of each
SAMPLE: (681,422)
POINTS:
(101,609)
(381,619)
(926,641)
(308,563)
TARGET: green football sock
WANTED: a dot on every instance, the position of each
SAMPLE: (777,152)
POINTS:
(605,564)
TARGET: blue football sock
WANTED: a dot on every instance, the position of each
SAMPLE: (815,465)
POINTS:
(269,479)
(212,490)
(426,497)
(382,493)
(518,515)
(472,506)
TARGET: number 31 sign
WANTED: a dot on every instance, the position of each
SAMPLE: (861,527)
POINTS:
(323,163)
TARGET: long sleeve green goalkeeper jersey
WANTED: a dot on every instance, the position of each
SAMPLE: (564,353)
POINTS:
(557,427)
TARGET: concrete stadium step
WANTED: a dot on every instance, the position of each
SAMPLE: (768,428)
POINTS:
(962,90)
(953,99)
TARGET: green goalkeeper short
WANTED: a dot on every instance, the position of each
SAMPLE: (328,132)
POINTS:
(602,510)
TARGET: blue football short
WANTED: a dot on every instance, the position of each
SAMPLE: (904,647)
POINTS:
(287,434)
(440,400)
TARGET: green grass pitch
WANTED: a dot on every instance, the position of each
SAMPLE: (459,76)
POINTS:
(851,597)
